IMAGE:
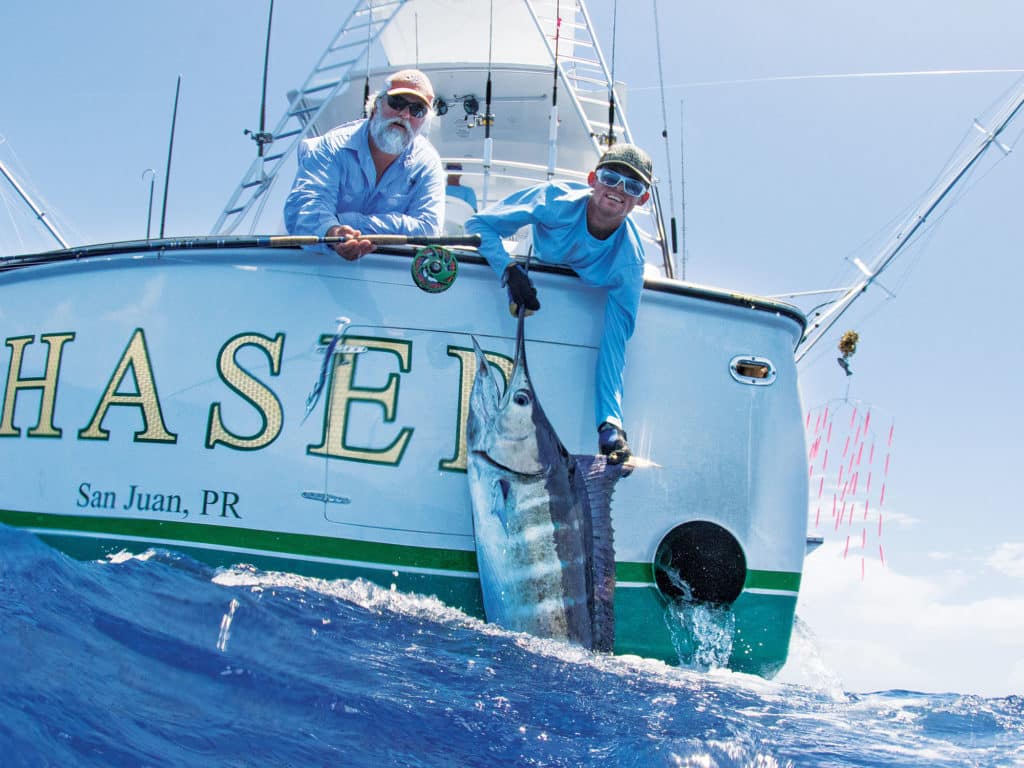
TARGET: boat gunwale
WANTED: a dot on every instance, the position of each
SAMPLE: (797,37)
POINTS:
(462,254)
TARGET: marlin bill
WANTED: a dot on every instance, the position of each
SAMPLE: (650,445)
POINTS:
(541,517)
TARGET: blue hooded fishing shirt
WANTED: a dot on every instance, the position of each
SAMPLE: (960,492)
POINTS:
(557,213)
(336,183)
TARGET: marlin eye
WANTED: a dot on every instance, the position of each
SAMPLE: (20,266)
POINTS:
(522,397)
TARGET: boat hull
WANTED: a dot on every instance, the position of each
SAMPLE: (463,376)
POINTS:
(158,399)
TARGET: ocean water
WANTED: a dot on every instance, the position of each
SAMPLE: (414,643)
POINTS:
(158,660)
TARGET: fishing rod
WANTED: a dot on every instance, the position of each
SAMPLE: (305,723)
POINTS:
(664,133)
(682,195)
(228,243)
(170,153)
(262,137)
(366,82)
(488,117)
(611,85)
(553,120)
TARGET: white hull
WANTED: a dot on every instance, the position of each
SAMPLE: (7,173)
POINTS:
(378,467)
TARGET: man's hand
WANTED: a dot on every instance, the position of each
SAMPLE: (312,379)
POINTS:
(353,248)
(611,441)
(521,292)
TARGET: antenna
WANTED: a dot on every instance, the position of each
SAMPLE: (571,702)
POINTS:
(170,152)
(262,137)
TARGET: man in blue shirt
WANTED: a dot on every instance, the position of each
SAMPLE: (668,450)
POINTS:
(455,187)
(585,227)
(374,176)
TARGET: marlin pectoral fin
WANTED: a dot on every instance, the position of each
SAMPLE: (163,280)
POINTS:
(500,506)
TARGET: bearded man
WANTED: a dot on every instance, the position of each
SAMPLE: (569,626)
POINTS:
(374,176)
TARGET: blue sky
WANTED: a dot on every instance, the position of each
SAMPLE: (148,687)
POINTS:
(787,177)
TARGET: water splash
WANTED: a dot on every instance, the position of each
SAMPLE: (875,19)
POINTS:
(701,632)
(225,626)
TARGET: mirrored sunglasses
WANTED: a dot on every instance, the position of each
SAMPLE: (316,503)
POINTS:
(398,103)
(610,178)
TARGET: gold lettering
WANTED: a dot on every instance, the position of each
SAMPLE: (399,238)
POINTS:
(342,394)
(48,384)
(264,400)
(136,357)
(467,373)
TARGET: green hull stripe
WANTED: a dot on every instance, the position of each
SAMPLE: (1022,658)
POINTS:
(326,546)
(780,580)
(637,572)
(248,538)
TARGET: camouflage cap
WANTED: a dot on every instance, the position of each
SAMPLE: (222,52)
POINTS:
(411,82)
(629,156)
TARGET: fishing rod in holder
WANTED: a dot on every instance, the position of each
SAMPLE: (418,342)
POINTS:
(263,137)
(553,118)
(170,155)
(488,117)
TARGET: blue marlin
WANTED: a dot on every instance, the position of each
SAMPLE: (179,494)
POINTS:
(541,516)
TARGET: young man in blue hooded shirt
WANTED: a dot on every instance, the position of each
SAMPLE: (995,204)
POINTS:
(374,176)
(585,227)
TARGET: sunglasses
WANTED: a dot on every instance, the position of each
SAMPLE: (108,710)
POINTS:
(610,178)
(398,103)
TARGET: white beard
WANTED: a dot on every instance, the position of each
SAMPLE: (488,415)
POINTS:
(388,137)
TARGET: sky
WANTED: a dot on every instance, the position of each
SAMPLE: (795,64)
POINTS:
(799,134)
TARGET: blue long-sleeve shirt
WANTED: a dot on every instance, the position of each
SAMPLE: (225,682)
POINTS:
(557,213)
(336,183)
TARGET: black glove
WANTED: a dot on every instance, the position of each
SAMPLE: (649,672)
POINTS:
(520,290)
(611,441)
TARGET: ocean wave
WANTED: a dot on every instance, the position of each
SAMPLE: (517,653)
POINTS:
(156,659)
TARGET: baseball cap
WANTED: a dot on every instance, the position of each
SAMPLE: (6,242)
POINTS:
(629,156)
(411,82)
